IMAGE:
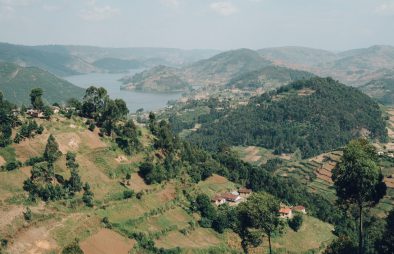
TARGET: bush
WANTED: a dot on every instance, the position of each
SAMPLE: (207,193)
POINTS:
(205,222)
(296,222)
(128,194)
(73,249)
(12,165)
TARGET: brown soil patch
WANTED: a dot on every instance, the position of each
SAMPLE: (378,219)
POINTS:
(92,140)
(107,242)
(2,161)
(137,183)
(200,238)
(252,154)
(34,240)
(68,142)
(7,215)
(216,179)
(306,92)
(389,182)
(122,159)
(31,147)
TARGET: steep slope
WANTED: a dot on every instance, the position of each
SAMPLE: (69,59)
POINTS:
(314,115)
(157,79)
(224,66)
(268,77)
(16,83)
(382,90)
(58,62)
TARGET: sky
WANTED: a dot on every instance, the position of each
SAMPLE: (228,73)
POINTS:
(199,24)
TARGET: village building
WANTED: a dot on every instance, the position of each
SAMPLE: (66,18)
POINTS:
(299,209)
(55,109)
(230,197)
(35,113)
(244,192)
(285,213)
(218,200)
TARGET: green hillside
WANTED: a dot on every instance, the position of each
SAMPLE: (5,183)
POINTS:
(314,115)
(158,79)
(268,77)
(220,68)
(382,90)
(16,83)
(58,62)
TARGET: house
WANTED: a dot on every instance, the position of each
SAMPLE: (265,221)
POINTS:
(231,197)
(218,200)
(244,192)
(55,109)
(35,113)
(285,213)
(299,209)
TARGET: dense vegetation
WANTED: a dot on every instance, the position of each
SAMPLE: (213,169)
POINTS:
(16,82)
(314,115)
(268,77)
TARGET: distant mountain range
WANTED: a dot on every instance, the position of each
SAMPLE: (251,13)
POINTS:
(382,90)
(64,60)
(16,82)
(353,67)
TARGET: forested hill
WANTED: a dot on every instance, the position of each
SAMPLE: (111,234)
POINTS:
(268,77)
(16,82)
(381,89)
(219,69)
(314,115)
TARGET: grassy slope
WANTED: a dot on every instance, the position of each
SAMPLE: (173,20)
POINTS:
(16,83)
(100,166)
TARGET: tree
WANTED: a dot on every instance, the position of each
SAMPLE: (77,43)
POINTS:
(386,245)
(358,180)
(52,152)
(74,184)
(36,98)
(47,111)
(296,222)
(259,212)
(27,214)
(87,197)
(73,248)
(342,245)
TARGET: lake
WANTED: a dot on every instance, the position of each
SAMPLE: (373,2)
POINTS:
(134,100)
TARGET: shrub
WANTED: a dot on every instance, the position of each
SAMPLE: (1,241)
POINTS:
(128,194)
(296,222)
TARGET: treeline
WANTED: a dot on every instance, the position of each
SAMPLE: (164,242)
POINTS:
(327,118)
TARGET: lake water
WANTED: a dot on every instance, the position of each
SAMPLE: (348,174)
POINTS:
(134,100)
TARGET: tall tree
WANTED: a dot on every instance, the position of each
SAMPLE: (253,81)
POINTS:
(358,180)
(36,98)
(51,153)
(260,212)
(386,245)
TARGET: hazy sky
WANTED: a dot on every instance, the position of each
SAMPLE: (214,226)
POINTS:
(219,24)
